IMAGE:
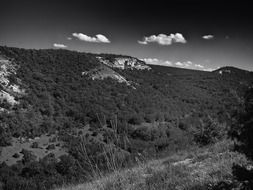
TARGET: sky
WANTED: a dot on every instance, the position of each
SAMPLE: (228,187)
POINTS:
(192,34)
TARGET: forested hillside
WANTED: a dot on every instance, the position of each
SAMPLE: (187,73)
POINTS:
(68,111)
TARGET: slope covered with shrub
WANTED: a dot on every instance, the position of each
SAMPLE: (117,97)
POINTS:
(164,109)
(242,131)
(59,96)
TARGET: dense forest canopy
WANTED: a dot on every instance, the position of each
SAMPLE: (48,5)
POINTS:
(58,93)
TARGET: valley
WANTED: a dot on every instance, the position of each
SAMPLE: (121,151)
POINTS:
(66,117)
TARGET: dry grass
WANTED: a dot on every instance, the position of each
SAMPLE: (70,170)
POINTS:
(199,168)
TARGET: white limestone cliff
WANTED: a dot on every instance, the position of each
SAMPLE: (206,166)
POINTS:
(9,92)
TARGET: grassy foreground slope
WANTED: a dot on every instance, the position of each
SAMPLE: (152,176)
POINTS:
(196,168)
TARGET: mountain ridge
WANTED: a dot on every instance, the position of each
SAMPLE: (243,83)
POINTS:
(119,56)
(231,68)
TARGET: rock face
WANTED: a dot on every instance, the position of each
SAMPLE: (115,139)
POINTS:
(224,71)
(232,70)
(124,63)
(9,90)
(103,72)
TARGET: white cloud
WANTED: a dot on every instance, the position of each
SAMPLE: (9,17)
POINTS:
(143,42)
(98,39)
(69,38)
(163,39)
(59,45)
(155,61)
(168,63)
(178,38)
(179,64)
(183,64)
(150,60)
(189,64)
(199,66)
(208,37)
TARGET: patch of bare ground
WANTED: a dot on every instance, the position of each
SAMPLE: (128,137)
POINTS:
(39,146)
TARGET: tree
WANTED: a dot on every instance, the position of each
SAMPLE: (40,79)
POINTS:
(5,138)
(242,132)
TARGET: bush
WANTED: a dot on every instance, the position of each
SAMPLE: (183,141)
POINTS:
(35,145)
(142,133)
(5,137)
(135,120)
(67,166)
(209,130)
(16,155)
(28,156)
(242,131)
(51,147)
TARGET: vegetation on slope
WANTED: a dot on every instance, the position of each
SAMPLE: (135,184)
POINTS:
(195,168)
(99,120)
(242,131)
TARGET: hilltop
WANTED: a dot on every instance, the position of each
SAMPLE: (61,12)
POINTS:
(64,114)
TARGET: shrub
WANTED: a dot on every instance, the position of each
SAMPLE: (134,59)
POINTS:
(51,147)
(150,118)
(5,137)
(135,120)
(67,166)
(16,155)
(35,145)
(28,156)
(209,130)
(142,133)
(242,131)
